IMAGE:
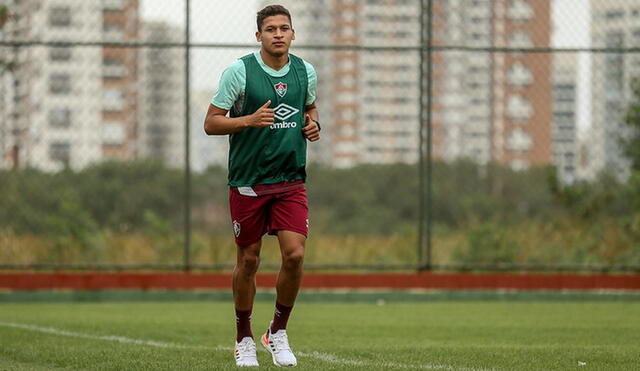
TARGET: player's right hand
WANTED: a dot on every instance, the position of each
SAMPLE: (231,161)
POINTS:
(263,117)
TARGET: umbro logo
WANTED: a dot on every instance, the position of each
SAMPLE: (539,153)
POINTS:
(284,111)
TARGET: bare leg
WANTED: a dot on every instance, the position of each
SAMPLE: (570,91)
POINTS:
(290,275)
(244,275)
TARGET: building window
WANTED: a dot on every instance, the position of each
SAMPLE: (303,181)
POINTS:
(60,152)
(112,31)
(520,11)
(60,118)
(60,83)
(113,68)
(520,75)
(614,14)
(519,141)
(60,16)
(520,39)
(113,100)
(113,133)
(564,93)
(519,108)
(60,54)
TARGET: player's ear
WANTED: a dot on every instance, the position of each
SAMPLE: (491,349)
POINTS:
(293,37)
(258,36)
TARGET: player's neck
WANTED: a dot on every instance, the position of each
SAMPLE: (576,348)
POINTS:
(275,62)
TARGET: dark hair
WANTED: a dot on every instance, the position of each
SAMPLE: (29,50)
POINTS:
(269,11)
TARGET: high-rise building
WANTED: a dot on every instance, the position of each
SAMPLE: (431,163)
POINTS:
(615,24)
(485,106)
(6,94)
(368,99)
(565,135)
(492,106)
(70,106)
(162,87)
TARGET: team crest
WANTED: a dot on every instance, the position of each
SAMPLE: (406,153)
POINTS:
(236,228)
(281,89)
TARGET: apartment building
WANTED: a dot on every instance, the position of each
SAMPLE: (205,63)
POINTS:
(493,106)
(162,88)
(485,106)
(615,24)
(70,106)
(565,134)
(368,99)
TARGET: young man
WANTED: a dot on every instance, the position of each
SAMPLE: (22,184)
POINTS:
(270,97)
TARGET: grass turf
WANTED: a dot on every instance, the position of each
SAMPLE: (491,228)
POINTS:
(327,336)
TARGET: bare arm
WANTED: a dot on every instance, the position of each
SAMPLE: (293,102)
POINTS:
(217,123)
(311,129)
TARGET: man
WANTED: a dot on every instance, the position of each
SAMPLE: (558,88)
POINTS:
(270,97)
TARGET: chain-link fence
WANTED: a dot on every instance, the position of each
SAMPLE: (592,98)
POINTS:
(456,134)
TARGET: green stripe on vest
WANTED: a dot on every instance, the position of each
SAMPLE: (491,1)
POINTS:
(278,153)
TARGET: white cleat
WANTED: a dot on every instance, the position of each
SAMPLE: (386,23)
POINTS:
(278,345)
(245,353)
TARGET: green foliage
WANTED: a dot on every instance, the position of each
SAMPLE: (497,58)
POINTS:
(488,244)
(605,196)
(118,194)
(481,214)
(4,15)
(367,199)
(111,196)
(382,199)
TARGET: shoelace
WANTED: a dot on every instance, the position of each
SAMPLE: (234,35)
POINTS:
(281,341)
(247,349)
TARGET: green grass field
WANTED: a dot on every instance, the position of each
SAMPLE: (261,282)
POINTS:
(443,335)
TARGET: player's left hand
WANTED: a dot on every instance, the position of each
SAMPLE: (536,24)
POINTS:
(310,129)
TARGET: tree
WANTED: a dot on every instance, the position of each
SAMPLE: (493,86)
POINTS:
(4,15)
(631,143)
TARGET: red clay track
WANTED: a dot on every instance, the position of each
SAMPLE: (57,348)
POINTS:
(434,281)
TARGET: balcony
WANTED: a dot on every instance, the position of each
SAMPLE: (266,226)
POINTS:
(520,75)
(519,108)
(520,11)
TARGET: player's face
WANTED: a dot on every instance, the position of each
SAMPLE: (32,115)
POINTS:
(276,35)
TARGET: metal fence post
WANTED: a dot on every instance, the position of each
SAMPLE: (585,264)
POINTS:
(187,157)
(424,227)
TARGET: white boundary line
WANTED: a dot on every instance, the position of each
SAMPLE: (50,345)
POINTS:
(325,357)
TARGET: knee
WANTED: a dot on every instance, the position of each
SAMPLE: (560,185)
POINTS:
(249,263)
(293,259)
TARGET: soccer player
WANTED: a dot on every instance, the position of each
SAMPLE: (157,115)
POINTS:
(270,97)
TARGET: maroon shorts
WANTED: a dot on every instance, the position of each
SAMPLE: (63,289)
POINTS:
(253,216)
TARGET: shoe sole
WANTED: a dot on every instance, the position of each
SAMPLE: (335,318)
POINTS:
(265,344)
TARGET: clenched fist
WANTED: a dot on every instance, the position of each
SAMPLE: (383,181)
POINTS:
(311,131)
